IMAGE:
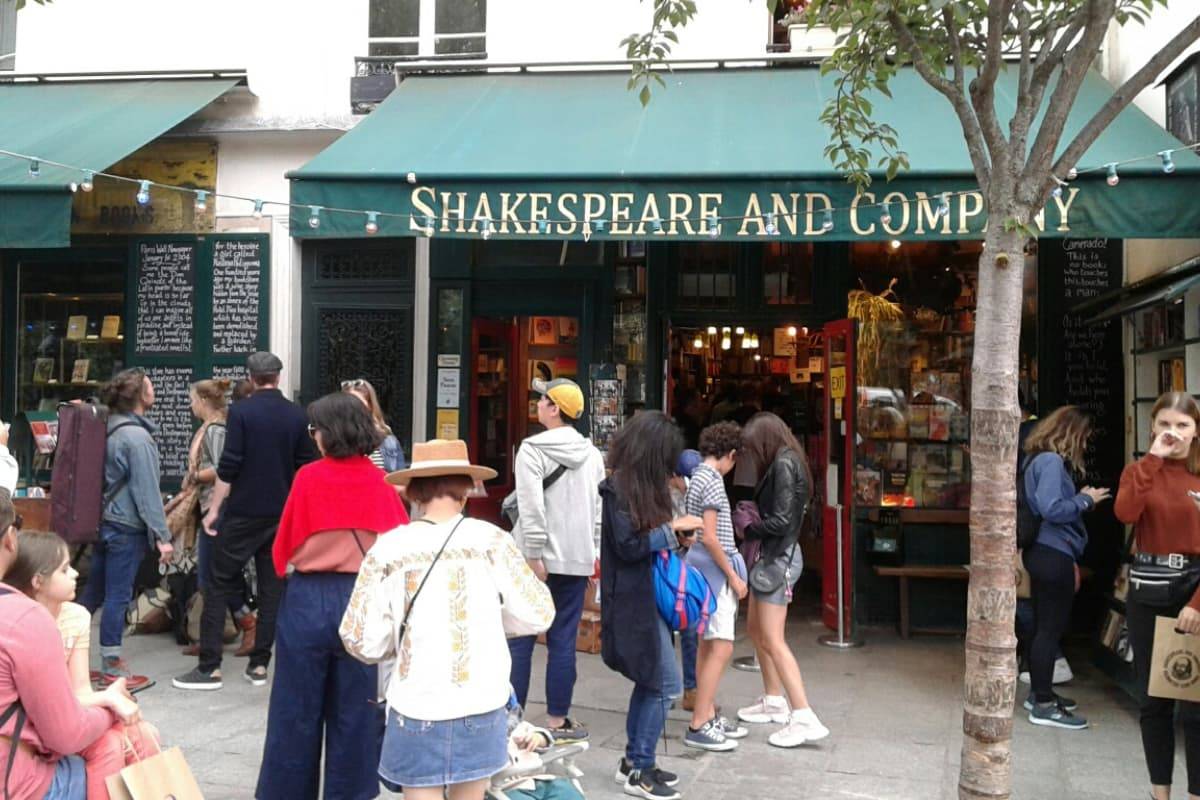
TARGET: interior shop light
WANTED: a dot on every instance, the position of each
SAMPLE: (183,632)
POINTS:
(726,342)
(739,330)
(894,244)
(745,345)
(758,357)
(143,194)
(791,331)
(712,330)
(698,343)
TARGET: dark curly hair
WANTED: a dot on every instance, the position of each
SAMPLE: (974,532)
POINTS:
(719,438)
(346,426)
(124,392)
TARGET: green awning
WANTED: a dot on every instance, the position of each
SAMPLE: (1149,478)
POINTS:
(87,124)
(739,143)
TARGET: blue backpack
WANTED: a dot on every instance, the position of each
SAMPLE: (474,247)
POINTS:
(683,596)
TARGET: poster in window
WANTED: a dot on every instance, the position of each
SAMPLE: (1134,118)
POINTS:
(543,330)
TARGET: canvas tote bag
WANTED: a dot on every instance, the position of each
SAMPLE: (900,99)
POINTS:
(165,776)
(1174,663)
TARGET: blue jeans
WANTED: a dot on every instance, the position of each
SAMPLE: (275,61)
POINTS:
(568,592)
(648,706)
(688,644)
(320,696)
(116,556)
(70,780)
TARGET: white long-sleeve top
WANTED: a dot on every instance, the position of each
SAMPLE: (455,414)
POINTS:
(454,660)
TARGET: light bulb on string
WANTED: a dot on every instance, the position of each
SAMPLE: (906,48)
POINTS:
(1113,178)
(598,225)
(771,228)
(943,209)
(258,209)
(411,177)
(714,227)
(1057,191)
(428,226)
(143,194)
(35,168)
(885,216)
(372,226)
(486,229)
(1072,174)
(1168,165)
(201,201)
(314,217)
(543,226)
(89,181)
(827,224)
(656,225)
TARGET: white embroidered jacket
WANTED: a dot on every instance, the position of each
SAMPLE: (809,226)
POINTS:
(454,660)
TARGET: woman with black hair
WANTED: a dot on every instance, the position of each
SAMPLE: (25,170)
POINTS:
(337,507)
(634,641)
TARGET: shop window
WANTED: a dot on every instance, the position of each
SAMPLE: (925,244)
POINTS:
(519,253)
(428,27)
(71,330)
(357,264)
(450,322)
(629,323)
(916,311)
(706,275)
(787,273)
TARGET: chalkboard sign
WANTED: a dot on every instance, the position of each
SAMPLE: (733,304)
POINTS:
(1082,365)
(165,297)
(237,281)
(172,413)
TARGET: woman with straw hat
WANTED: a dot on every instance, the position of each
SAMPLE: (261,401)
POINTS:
(439,595)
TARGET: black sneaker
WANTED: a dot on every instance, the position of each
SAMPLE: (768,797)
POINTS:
(198,681)
(660,775)
(641,783)
(1055,716)
(1063,702)
(570,731)
(256,675)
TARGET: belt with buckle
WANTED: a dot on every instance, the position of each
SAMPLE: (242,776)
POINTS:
(1172,560)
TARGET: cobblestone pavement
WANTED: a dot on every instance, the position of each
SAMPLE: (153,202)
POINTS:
(893,707)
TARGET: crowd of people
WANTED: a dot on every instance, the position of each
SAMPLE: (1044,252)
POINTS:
(403,630)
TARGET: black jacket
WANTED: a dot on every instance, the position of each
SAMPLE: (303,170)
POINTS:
(629,636)
(266,441)
(782,497)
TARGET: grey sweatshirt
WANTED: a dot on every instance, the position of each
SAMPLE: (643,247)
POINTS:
(561,525)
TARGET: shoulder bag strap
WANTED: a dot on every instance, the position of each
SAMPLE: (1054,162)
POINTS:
(421,585)
(116,488)
(553,477)
(16,709)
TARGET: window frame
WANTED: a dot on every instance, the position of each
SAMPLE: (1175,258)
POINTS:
(427,37)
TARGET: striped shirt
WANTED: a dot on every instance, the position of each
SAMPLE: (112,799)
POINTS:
(706,490)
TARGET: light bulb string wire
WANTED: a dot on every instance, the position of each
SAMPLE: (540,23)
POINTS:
(765,218)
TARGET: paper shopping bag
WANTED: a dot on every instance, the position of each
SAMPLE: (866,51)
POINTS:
(165,776)
(1174,663)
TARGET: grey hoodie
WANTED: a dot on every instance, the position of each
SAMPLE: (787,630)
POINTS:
(560,525)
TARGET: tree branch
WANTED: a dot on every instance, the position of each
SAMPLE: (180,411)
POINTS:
(983,88)
(976,142)
(1123,96)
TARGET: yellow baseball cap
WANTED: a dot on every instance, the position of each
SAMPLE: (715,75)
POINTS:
(564,393)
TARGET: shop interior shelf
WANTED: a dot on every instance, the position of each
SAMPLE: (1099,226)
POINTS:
(1166,348)
(924,516)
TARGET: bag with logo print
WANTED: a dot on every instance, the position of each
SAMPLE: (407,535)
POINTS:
(1174,663)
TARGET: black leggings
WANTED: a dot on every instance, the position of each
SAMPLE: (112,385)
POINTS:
(1052,576)
(1158,714)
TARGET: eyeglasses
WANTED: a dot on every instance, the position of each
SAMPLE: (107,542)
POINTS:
(356,383)
(312,430)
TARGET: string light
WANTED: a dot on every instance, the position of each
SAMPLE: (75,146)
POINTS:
(428,229)
(314,217)
(201,201)
(372,226)
(709,222)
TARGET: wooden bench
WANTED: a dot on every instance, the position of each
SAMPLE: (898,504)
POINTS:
(949,572)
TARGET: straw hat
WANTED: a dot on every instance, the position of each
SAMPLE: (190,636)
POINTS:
(439,457)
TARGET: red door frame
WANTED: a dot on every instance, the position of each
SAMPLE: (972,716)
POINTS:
(840,455)
(488,507)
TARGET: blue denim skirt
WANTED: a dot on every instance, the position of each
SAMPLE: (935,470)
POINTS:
(418,753)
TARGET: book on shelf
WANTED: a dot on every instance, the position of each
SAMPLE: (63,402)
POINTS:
(79,374)
(45,435)
(111,327)
(77,327)
(43,370)
(918,422)
(939,423)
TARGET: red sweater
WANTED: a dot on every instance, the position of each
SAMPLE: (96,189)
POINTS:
(32,668)
(1153,498)
(336,494)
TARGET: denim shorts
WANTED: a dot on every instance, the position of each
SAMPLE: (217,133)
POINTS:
(783,595)
(419,753)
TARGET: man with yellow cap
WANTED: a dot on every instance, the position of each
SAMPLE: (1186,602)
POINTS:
(558,475)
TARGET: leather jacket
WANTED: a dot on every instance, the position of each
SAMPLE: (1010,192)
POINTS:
(782,497)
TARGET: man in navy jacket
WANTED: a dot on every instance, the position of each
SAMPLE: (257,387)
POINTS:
(266,442)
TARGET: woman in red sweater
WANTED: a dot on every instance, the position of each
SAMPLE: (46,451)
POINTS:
(1155,498)
(335,510)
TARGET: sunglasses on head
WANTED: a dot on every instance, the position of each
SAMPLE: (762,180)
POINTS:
(356,383)
(312,429)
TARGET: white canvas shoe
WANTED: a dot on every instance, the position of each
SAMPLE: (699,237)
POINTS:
(765,711)
(807,717)
(802,726)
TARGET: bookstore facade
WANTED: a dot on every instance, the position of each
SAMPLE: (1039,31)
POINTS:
(695,271)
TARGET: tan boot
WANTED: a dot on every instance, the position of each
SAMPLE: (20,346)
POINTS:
(248,624)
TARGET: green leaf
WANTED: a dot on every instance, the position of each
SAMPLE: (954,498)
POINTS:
(644,95)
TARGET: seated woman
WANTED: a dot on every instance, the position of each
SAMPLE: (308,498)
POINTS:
(440,594)
(43,572)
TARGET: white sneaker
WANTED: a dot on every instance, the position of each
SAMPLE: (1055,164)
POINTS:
(1023,677)
(1062,671)
(807,717)
(766,710)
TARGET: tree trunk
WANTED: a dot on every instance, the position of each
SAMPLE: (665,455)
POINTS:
(990,680)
